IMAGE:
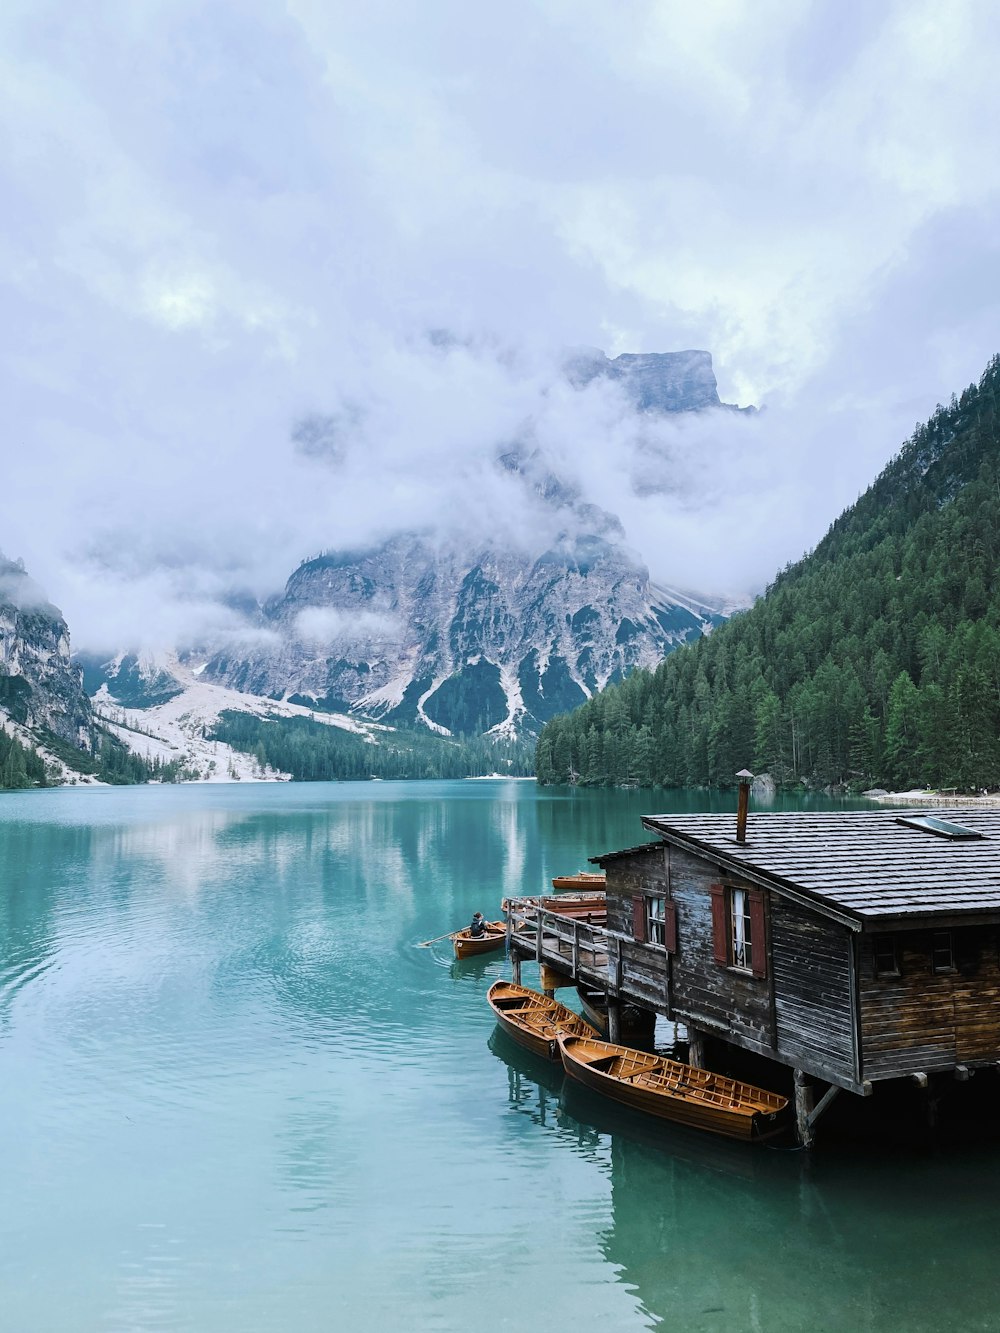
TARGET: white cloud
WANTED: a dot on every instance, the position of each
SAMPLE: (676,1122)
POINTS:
(326,625)
(221,221)
(20,590)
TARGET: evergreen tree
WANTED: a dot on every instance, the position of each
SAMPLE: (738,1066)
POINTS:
(874,659)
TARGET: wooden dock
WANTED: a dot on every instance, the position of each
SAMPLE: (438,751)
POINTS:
(573,951)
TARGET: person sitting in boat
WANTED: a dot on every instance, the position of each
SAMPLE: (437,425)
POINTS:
(478,927)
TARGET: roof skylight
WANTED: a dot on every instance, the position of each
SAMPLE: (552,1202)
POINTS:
(943,828)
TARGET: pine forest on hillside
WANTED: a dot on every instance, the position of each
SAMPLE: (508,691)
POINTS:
(21,765)
(313,752)
(875,659)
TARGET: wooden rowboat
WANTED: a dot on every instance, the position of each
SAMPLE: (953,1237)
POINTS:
(591,908)
(583,879)
(467,944)
(534,1021)
(672,1090)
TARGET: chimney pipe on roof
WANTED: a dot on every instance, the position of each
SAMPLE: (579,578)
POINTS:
(744,777)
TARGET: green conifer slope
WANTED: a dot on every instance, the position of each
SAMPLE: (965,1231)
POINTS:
(875,659)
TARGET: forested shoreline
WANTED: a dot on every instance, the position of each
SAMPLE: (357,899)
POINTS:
(109,761)
(314,751)
(875,659)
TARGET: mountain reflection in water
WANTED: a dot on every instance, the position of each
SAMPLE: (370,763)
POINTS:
(235,1095)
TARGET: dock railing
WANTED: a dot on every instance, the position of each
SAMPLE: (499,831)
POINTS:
(588,952)
(574,943)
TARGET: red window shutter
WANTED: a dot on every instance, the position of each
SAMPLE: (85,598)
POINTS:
(670,927)
(639,917)
(720,935)
(757,933)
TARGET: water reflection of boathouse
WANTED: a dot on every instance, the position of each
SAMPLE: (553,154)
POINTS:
(709,1235)
(850,948)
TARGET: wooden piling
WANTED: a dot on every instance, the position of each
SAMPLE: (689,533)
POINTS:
(803,1109)
(696,1048)
(929,1106)
(614,1020)
(550,979)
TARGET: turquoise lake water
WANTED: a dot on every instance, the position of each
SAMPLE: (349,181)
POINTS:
(234,1095)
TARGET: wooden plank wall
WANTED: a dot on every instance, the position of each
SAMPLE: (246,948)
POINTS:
(644,969)
(920,1021)
(703,991)
(644,966)
(810,1023)
(642,872)
(813,991)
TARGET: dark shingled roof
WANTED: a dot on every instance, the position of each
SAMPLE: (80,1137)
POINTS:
(864,862)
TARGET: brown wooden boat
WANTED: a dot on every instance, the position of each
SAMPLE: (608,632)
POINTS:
(589,907)
(583,879)
(672,1090)
(467,944)
(533,1020)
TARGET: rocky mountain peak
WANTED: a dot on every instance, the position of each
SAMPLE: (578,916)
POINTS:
(494,632)
(40,688)
(654,381)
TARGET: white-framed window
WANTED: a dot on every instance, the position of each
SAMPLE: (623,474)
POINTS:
(741,936)
(656,920)
(739,928)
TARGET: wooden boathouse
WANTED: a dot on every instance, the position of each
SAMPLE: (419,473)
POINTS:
(851,947)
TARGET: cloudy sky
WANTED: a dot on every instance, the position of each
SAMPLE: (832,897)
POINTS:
(222,219)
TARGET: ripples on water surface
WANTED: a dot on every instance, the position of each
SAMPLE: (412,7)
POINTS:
(235,1096)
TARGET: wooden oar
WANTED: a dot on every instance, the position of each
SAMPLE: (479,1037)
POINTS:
(449,936)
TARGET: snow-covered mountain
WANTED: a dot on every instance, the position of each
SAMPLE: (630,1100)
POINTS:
(175,723)
(40,687)
(494,641)
(465,636)
(42,700)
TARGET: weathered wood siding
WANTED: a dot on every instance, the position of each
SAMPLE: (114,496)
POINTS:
(644,971)
(640,872)
(644,966)
(813,991)
(702,992)
(706,994)
(802,1012)
(923,1021)
(821,1006)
